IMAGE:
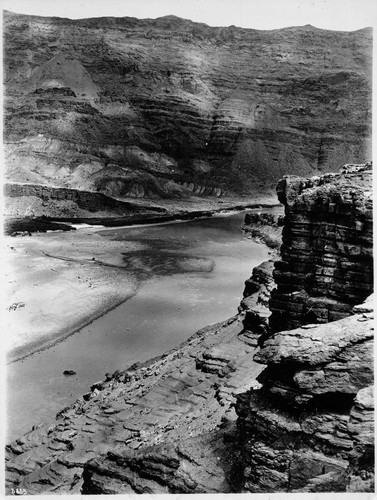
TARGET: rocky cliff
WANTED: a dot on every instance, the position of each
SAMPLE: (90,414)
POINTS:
(162,107)
(153,428)
(310,427)
(326,263)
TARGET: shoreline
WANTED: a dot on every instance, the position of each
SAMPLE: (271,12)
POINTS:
(50,299)
(47,223)
(41,345)
(111,250)
(130,221)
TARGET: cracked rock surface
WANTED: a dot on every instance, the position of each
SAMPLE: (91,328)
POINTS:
(219,414)
(310,427)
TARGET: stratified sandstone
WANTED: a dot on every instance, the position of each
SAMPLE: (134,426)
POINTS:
(326,264)
(167,106)
(257,294)
(169,426)
(310,427)
(44,200)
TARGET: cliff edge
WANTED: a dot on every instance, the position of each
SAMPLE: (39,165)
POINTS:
(326,263)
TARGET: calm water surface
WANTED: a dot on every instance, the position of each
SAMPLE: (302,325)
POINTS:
(191,274)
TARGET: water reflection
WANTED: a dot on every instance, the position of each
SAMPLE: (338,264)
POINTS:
(168,249)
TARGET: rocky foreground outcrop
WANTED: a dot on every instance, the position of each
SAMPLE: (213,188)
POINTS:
(219,414)
(148,108)
(311,426)
(170,427)
(169,411)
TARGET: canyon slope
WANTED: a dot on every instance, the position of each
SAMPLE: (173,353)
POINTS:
(167,107)
(225,412)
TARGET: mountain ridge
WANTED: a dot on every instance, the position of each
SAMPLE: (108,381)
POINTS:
(226,107)
(174,17)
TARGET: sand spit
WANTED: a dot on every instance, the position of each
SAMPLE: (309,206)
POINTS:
(56,283)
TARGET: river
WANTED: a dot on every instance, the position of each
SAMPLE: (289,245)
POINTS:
(191,275)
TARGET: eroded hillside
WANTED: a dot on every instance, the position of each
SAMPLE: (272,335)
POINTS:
(161,107)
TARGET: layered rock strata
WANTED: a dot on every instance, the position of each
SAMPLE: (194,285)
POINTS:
(142,107)
(255,301)
(37,207)
(169,426)
(326,264)
(76,199)
(310,427)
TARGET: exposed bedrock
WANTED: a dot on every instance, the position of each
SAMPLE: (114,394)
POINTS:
(326,264)
(255,301)
(77,199)
(30,207)
(310,427)
(165,426)
(168,106)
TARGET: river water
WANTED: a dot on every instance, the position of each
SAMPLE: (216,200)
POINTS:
(191,275)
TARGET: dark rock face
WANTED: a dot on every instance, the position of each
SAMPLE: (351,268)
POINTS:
(309,428)
(153,107)
(86,200)
(27,205)
(257,294)
(326,263)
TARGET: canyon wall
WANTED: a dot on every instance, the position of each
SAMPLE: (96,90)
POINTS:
(84,199)
(162,107)
(326,263)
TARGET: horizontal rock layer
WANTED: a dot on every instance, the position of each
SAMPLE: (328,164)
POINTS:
(168,425)
(310,426)
(86,200)
(326,263)
(168,106)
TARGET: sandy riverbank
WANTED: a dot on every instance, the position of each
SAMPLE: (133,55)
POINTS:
(56,283)
(49,298)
